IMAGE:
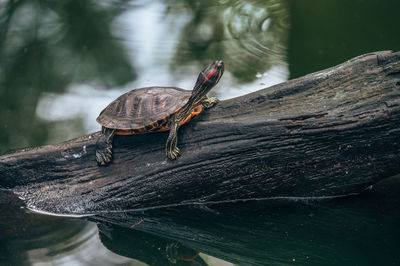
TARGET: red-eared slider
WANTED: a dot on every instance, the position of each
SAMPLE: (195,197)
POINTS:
(156,109)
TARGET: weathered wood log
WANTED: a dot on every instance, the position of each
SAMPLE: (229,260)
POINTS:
(330,133)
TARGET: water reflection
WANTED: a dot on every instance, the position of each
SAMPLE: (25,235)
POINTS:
(150,249)
(32,239)
(250,36)
(355,229)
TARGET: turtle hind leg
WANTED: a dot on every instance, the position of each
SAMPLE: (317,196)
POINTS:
(104,152)
(209,102)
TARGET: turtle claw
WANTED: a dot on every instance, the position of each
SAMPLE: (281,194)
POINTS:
(104,154)
(99,158)
(103,157)
(209,102)
(171,155)
(174,154)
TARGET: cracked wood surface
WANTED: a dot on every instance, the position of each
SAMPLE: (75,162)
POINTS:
(330,133)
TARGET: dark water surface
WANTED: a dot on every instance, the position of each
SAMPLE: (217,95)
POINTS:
(62,62)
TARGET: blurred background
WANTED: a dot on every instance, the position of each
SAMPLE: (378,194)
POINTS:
(62,62)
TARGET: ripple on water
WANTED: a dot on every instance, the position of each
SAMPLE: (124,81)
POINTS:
(255,27)
(254,45)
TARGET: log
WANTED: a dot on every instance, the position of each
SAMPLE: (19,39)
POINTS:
(327,134)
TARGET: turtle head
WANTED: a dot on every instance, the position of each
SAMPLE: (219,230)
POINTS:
(208,78)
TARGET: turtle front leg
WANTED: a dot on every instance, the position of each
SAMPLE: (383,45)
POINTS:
(104,146)
(209,102)
(171,147)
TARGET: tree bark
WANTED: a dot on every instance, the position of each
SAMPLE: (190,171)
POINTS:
(327,134)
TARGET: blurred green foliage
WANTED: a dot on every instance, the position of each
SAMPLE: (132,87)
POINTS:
(44,47)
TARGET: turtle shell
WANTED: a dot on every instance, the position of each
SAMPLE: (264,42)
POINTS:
(141,107)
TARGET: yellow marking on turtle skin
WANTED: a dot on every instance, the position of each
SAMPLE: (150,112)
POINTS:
(175,135)
(173,139)
(111,135)
(219,76)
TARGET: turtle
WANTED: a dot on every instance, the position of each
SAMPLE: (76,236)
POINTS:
(156,109)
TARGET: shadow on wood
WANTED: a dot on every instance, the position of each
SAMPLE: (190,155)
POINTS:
(330,133)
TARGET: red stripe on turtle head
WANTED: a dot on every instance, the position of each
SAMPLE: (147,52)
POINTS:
(209,76)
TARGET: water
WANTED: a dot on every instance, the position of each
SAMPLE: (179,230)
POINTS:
(62,62)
